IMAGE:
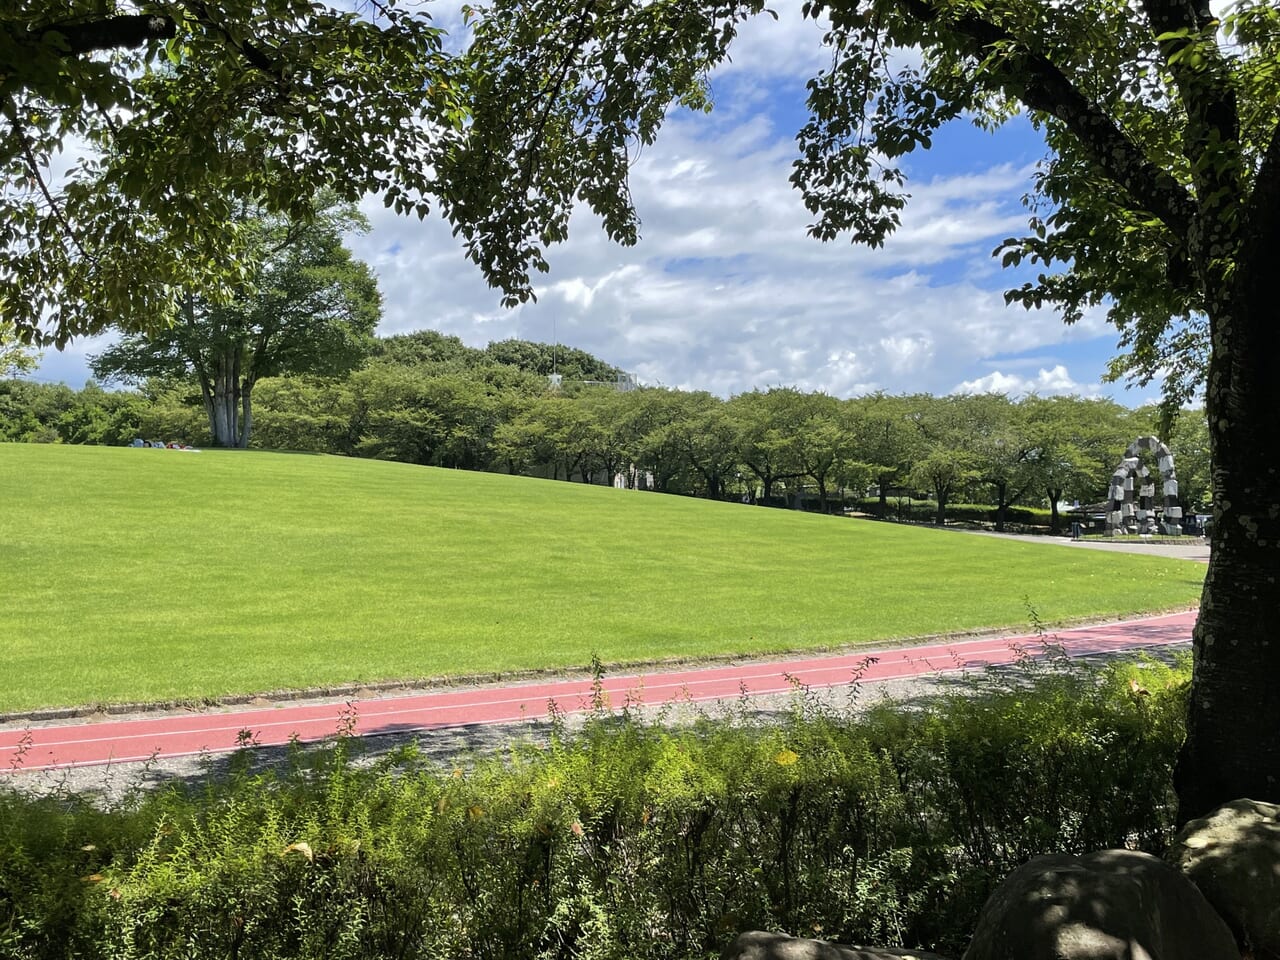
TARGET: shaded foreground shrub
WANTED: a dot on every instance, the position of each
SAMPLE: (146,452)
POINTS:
(888,824)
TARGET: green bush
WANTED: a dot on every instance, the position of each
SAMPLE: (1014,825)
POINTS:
(628,839)
(924,511)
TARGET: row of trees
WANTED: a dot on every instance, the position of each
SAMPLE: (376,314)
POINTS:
(306,306)
(426,398)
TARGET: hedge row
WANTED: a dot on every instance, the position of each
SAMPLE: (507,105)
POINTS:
(924,511)
(626,840)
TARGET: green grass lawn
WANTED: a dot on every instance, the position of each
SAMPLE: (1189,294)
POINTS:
(153,575)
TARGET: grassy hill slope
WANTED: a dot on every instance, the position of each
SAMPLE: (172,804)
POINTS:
(150,574)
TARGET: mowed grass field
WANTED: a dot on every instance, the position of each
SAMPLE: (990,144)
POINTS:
(146,575)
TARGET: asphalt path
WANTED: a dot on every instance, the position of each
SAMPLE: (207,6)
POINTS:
(70,745)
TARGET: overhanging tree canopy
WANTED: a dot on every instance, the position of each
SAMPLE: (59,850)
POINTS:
(1161,201)
(183,110)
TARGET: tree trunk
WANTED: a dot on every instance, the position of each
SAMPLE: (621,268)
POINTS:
(1001,490)
(883,486)
(1055,521)
(246,417)
(712,479)
(224,421)
(941,518)
(1232,748)
(210,410)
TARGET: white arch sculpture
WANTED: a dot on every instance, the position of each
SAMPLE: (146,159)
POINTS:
(1126,516)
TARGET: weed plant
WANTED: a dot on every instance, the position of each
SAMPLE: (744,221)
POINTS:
(886,823)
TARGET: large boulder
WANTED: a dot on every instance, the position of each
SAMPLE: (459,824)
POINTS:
(1110,905)
(758,945)
(1233,856)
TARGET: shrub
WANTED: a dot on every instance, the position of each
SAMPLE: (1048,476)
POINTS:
(924,511)
(627,839)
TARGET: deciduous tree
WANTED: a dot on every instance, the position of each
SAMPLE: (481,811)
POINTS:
(885,438)
(1004,449)
(308,307)
(15,356)
(947,462)
(183,111)
(177,114)
(768,425)
(1076,444)
(1160,203)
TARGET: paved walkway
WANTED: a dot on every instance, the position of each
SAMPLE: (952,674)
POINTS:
(1194,548)
(65,745)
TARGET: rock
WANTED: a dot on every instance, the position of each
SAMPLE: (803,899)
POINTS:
(1109,905)
(758,945)
(1233,856)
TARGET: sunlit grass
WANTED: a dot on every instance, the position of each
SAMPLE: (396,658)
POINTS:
(154,575)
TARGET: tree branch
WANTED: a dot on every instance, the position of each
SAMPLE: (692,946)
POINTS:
(1039,84)
(255,57)
(113,33)
(29,157)
(135,30)
(1210,104)
(1262,211)
(535,143)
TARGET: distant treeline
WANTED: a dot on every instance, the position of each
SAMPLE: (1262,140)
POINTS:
(429,399)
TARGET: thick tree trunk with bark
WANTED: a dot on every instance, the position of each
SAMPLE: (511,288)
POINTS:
(883,486)
(246,416)
(711,476)
(767,480)
(942,494)
(222,401)
(612,468)
(228,401)
(1004,500)
(1055,520)
(1232,748)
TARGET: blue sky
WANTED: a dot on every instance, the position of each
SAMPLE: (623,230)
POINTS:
(726,292)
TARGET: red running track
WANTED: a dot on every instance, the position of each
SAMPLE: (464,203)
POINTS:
(169,735)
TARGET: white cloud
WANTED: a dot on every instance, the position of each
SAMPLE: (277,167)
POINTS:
(726,291)
(766,49)
(907,354)
(1047,382)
